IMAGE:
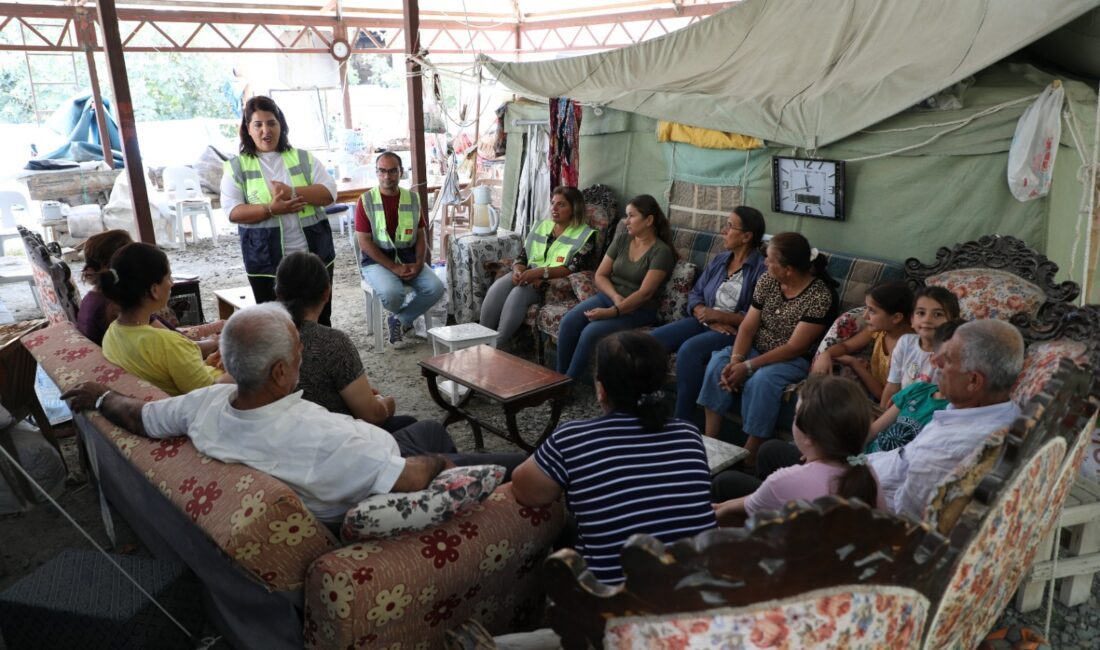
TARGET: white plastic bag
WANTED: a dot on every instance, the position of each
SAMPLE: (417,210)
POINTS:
(1035,144)
(85,221)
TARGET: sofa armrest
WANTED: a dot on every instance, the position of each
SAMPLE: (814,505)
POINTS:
(411,589)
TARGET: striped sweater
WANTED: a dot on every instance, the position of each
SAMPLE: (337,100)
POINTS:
(620,480)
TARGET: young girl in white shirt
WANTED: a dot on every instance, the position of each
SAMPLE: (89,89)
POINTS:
(912,357)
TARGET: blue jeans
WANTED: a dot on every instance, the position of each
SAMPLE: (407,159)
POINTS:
(693,343)
(761,398)
(578,336)
(427,290)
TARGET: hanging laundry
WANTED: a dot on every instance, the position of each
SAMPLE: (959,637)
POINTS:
(565,136)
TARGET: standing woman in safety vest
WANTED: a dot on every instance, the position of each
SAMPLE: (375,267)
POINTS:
(555,248)
(275,194)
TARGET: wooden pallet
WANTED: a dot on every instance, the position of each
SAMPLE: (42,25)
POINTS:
(1080,523)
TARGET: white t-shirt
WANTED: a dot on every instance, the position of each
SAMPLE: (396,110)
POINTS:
(909,363)
(331,461)
(273,169)
(729,292)
(908,475)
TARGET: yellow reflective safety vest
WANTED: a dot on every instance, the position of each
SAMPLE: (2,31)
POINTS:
(563,248)
(262,242)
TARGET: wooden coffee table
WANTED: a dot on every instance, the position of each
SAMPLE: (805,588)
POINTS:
(506,379)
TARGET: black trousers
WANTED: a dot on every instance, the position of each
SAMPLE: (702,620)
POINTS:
(263,289)
(429,437)
(772,455)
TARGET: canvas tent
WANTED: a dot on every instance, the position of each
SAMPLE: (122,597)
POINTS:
(836,79)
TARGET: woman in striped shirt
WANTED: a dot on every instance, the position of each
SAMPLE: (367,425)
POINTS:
(633,470)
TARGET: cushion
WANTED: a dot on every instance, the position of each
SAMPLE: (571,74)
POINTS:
(584,285)
(843,328)
(855,616)
(988,293)
(549,317)
(558,290)
(1041,361)
(674,295)
(389,515)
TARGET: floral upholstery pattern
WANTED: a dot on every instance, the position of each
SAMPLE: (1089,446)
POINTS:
(1040,362)
(673,296)
(583,285)
(843,328)
(1011,531)
(549,318)
(989,293)
(251,516)
(53,282)
(839,617)
(388,515)
(407,591)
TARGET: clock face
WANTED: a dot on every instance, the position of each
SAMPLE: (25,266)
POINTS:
(811,188)
(340,49)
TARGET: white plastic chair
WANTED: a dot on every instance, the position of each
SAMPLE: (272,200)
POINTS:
(8,201)
(184,190)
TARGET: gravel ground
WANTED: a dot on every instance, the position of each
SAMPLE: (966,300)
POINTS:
(33,538)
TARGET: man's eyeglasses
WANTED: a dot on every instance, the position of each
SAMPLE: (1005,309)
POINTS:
(391,170)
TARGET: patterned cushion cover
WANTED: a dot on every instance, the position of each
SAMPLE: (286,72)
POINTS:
(407,591)
(857,275)
(839,617)
(53,282)
(843,328)
(583,285)
(1000,553)
(1041,361)
(549,320)
(389,515)
(674,294)
(558,290)
(989,293)
(251,516)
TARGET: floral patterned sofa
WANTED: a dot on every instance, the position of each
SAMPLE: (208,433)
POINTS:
(275,577)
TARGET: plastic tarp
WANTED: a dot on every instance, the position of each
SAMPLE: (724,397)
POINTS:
(803,73)
(78,121)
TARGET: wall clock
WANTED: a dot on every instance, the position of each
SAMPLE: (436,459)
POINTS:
(809,188)
(340,49)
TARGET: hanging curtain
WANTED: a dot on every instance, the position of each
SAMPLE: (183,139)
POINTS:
(565,135)
(534,182)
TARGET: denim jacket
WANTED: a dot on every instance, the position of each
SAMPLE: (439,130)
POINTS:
(706,287)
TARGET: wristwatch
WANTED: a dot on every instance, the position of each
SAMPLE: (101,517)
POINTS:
(546,273)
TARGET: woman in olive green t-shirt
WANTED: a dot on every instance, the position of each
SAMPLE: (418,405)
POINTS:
(636,265)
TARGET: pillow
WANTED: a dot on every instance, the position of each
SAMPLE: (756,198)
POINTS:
(389,515)
(989,293)
(1040,362)
(584,285)
(674,296)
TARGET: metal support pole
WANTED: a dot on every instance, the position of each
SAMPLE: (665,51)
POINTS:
(116,65)
(416,104)
(85,36)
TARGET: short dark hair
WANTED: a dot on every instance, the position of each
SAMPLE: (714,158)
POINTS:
(753,222)
(632,366)
(946,330)
(134,269)
(261,103)
(835,414)
(390,154)
(300,283)
(947,299)
(794,251)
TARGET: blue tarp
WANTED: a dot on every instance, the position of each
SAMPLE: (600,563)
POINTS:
(78,120)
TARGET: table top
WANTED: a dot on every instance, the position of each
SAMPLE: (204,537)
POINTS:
(721,455)
(503,377)
(239,297)
(462,332)
(12,332)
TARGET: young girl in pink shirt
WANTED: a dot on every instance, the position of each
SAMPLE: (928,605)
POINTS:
(831,419)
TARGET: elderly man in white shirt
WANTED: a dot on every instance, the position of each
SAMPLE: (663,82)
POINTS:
(332,461)
(978,367)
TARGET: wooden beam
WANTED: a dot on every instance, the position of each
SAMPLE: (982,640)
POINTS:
(86,38)
(116,65)
(415,88)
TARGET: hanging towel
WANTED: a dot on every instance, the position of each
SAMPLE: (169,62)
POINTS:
(705,138)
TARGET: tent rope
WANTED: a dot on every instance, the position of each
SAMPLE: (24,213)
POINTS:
(991,109)
(955,126)
(203,643)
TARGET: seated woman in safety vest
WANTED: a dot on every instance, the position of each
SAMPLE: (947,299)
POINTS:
(274,193)
(393,246)
(556,247)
